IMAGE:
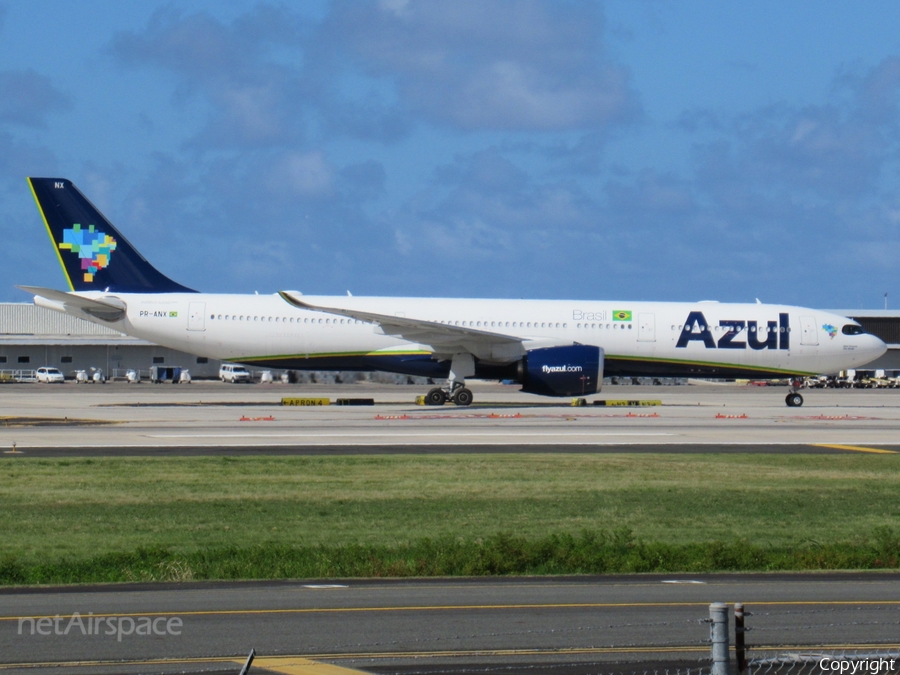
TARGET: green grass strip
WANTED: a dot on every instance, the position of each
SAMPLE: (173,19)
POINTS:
(501,554)
(118,519)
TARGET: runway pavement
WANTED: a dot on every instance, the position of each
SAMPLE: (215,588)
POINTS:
(442,625)
(558,626)
(211,417)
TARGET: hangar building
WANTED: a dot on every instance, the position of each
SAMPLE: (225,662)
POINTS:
(31,337)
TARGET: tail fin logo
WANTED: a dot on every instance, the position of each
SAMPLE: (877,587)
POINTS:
(94,248)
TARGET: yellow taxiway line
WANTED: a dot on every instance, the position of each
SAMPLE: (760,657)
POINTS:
(855,448)
(451,608)
(308,665)
(298,665)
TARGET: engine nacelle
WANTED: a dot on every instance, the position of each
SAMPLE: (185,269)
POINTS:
(572,370)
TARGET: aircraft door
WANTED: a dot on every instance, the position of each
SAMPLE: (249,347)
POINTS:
(808,334)
(646,327)
(197,316)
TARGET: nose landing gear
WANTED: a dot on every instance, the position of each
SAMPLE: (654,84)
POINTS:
(794,399)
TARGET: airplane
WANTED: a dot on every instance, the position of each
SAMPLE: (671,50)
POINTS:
(550,347)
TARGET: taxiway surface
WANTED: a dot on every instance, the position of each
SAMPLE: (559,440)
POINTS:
(440,624)
(204,417)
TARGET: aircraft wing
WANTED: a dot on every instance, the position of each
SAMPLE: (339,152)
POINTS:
(108,309)
(443,338)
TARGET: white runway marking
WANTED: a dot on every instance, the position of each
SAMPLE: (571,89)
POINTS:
(682,581)
(443,435)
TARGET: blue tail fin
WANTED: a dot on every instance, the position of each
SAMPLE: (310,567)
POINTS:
(93,254)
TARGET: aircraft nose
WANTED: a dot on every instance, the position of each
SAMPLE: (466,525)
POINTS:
(876,347)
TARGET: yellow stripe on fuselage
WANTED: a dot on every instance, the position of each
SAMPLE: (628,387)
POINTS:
(326,355)
(715,364)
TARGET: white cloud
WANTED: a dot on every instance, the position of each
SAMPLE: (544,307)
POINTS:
(490,64)
(306,174)
(27,98)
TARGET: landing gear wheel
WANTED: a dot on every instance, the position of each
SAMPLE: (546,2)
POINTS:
(794,400)
(462,396)
(435,397)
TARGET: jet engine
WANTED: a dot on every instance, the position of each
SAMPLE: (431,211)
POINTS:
(571,370)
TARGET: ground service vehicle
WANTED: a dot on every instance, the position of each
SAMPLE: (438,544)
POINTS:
(232,372)
(49,375)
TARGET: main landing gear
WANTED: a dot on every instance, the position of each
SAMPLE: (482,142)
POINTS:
(461,367)
(794,399)
(460,396)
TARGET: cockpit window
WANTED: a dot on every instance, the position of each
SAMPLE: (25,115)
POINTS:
(852,329)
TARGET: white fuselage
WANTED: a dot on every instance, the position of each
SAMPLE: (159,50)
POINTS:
(638,338)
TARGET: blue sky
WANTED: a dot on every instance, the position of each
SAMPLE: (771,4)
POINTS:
(633,150)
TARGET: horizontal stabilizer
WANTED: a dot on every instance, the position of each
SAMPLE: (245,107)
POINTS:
(107,309)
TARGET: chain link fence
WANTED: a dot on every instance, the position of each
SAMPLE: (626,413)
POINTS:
(816,662)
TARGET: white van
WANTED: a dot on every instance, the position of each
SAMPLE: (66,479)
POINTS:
(231,372)
(49,375)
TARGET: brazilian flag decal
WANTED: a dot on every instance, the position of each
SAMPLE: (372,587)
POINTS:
(621,315)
